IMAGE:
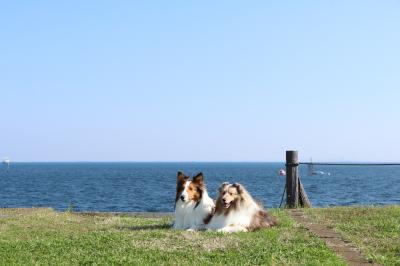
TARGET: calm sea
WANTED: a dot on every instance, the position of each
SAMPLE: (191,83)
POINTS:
(151,186)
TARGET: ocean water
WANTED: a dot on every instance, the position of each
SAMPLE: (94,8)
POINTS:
(151,186)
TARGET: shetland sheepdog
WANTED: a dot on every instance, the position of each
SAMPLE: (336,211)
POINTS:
(236,211)
(192,203)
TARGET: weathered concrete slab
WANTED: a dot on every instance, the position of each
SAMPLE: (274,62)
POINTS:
(130,214)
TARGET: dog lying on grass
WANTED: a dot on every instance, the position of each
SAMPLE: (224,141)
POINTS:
(236,211)
(192,203)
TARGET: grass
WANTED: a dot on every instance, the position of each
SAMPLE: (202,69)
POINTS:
(46,237)
(375,230)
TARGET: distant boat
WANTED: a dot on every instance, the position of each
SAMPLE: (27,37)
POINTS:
(282,172)
(6,160)
(320,173)
(311,171)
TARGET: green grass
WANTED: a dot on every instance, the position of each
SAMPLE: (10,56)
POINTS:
(375,230)
(45,237)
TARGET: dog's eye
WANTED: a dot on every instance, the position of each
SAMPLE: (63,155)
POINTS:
(231,193)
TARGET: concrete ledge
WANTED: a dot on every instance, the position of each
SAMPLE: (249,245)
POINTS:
(129,214)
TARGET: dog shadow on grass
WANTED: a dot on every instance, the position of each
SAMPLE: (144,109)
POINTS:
(145,227)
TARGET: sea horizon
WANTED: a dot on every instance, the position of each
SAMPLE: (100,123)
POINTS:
(123,161)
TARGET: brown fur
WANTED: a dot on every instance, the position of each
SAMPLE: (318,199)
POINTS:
(209,216)
(231,194)
(195,189)
(180,184)
(261,219)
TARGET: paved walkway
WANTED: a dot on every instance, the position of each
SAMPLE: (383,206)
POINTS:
(332,239)
(130,214)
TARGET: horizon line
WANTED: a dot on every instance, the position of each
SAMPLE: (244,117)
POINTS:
(127,161)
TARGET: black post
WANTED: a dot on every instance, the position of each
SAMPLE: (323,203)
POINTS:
(303,198)
(292,179)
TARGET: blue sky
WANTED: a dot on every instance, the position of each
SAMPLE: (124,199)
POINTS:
(199,80)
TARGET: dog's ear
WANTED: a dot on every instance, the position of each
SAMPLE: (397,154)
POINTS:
(221,188)
(198,178)
(181,177)
(238,187)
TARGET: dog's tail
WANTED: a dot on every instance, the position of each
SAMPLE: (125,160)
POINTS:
(268,219)
(262,219)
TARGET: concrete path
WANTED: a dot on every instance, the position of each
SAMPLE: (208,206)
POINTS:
(130,214)
(332,239)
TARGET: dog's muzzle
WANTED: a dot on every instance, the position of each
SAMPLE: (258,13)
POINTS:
(225,204)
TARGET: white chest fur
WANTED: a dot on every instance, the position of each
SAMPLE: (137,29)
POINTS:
(190,216)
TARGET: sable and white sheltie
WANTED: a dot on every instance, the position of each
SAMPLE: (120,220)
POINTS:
(192,203)
(236,211)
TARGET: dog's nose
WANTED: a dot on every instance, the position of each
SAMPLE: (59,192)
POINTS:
(223,200)
(182,198)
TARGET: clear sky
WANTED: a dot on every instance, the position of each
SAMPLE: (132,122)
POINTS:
(199,80)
